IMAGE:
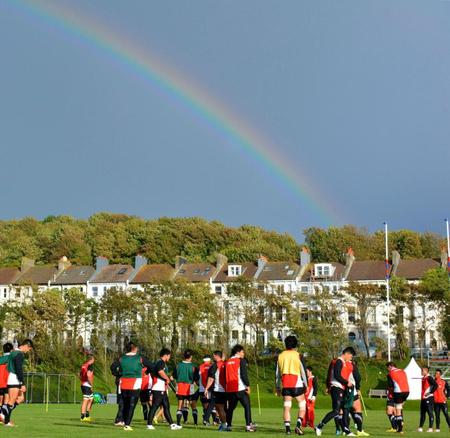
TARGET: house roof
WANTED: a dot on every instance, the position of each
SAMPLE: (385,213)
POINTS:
(39,275)
(273,271)
(196,272)
(113,274)
(153,274)
(8,275)
(339,270)
(248,271)
(367,270)
(415,269)
(74,275)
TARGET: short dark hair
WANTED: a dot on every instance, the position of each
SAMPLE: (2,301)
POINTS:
(426,368)
(350,350)
(27,342)
(438,370)
(217,353)
(391,364)
(291,342)
(236,349)
(164,351)
(187,354)
(309,368)
(7,347)
(130,346)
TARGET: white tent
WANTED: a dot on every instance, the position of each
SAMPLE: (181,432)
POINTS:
(413,371)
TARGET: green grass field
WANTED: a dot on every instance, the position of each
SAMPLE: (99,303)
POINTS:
(63,421)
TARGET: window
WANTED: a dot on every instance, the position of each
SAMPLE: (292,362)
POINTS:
(279,314)
(352,337)
(323,270)
(351,314)
(304,288)
(280,288)
(234,335)
(261,287)
(5,292)
(304,316)
(218,289)
(95,291)
(234,270)
(122,271)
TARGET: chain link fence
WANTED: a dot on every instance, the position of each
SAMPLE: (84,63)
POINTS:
(52,388)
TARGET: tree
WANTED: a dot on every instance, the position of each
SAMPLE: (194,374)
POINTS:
(435,287)
(367,297)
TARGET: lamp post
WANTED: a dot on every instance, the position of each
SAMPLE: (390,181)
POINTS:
(388,292)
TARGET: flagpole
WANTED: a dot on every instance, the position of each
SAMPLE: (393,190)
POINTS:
(388,292)
(448,247)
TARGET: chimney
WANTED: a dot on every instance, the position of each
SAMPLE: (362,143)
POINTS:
(221,261)
(26,264)
(444,258)
(262,261)
(179,262)
(349,259)
(100,262)
(63,263)
(139,261)
(305,257)
(395,261)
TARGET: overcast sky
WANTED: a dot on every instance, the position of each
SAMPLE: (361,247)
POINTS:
(353,94)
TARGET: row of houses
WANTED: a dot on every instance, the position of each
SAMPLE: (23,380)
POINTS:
(301,276)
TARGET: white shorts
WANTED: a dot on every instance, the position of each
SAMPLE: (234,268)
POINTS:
(13,380)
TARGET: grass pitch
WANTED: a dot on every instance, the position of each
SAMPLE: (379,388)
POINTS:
(63,421)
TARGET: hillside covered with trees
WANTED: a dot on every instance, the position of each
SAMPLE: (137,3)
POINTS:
(120,237)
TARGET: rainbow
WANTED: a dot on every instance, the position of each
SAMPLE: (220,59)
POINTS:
(187,95)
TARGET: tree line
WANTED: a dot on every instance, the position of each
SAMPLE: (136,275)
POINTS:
(120,237)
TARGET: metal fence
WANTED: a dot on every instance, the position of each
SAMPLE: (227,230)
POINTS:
(52,388)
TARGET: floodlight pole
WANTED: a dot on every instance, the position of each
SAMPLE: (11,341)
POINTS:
(388,292)
(448,247)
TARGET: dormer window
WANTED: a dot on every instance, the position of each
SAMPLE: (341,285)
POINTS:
(234,270)
(323,270)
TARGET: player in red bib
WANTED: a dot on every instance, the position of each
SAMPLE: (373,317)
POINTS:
(440,399)
(390,408)
(311,393)
(238,386)
(217,383)
(339,381)
(429,386)
(202,382)
(87,380)
(398,381)
(7,348)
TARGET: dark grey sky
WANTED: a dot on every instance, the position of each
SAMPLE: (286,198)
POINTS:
(354,94)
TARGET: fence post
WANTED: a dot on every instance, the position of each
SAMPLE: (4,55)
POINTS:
(31,392)
(59,386)
(74,389)
(48,393)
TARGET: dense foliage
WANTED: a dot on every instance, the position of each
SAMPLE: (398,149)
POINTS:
(120,237)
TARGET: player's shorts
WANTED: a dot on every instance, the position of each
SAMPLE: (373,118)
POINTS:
(356,397)
(144,395)
(293,392)
(13,381)
(195,396)
(400,397)
(220,398)
(87,392)
(3,391)
(390,402)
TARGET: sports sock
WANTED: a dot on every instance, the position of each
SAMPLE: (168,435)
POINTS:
(185,414)
(392,421)
(179,416)
(299,422)
(82,416)
(399,423)
(145,411)
(287,425)
(358,419)
(337,422)
(195,416)
(87,414)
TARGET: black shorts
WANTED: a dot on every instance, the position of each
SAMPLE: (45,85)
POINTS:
(195,396)
(3,391)
(144,395)
(400,397)
(293,392)
(390,402)
(356,397)
(15,386)
(87,392)
(220,398)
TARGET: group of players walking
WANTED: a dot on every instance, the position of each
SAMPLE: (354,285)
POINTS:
(220,384)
